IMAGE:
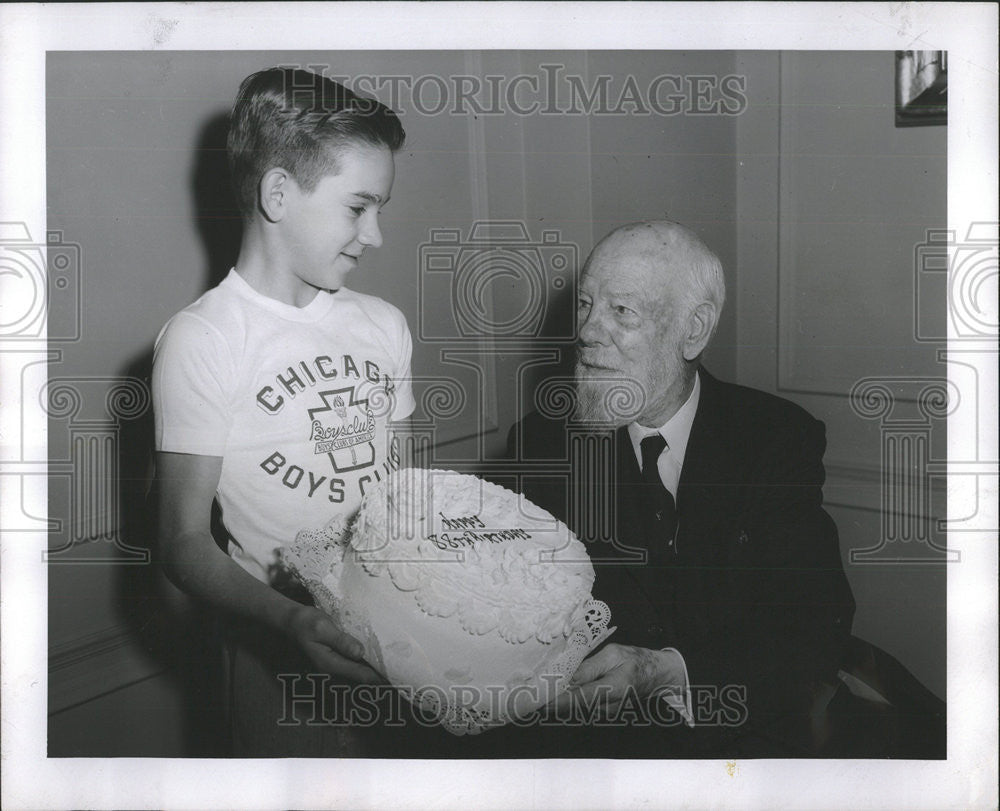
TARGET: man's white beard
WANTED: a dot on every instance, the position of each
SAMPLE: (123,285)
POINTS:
(606,400)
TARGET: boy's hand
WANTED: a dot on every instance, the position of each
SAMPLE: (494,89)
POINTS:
(329,647)
(196,564)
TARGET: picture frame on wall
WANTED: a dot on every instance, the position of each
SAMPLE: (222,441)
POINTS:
(921,88)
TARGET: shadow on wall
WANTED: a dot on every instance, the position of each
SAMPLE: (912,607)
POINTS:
(174,630)
(559,322)
(546,385)
(217,215)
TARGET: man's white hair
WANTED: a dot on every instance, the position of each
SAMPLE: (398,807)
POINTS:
(707,282)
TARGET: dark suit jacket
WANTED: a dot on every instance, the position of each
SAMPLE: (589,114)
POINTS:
(754,596)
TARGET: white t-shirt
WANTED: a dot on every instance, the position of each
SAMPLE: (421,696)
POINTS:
(295,401)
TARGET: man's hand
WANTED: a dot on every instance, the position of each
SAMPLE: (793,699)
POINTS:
(604,679)
(329,647)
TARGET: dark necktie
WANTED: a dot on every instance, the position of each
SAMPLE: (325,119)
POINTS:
(664,509)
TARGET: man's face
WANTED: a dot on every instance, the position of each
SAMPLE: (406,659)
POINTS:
(327,230)
(630,365)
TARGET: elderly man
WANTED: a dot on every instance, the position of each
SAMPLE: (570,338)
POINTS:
(724,575)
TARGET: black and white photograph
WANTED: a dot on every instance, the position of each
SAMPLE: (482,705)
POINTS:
(499,405)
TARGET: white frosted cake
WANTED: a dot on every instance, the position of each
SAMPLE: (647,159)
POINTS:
(473,600)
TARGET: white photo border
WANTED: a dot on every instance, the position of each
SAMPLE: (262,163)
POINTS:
(967,779)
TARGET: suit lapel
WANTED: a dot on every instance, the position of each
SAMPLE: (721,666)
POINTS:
(635,588)
(631,532)
(650,602)
(709,465)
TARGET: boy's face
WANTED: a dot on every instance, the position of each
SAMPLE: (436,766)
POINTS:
(327,230)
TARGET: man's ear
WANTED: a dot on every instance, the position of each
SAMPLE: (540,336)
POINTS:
(701,326)
(273,193)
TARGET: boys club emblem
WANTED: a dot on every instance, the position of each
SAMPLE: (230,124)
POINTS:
(343,428)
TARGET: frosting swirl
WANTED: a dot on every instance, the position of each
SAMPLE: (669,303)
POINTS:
(499,569)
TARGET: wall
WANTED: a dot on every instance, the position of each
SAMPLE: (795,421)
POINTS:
(833,202)
(136,177)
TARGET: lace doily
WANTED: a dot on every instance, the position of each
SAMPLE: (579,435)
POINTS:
(317,555)
(458,719)
(316,558)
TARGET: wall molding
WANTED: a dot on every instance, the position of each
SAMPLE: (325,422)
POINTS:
(94,664)
(794,373)
(479,198)
(871,473)
(858,485)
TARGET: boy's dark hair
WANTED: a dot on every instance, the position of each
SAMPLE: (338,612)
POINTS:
(300,121)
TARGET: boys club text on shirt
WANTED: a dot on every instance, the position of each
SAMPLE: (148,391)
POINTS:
(344,400)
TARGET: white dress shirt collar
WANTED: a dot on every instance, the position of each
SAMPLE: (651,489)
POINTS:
(676,432)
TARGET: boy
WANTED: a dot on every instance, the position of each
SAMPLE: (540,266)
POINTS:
(273,392)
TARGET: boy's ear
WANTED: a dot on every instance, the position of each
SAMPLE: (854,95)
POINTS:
(273,193)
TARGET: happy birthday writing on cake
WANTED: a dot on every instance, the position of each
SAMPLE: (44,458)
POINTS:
(468,536)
